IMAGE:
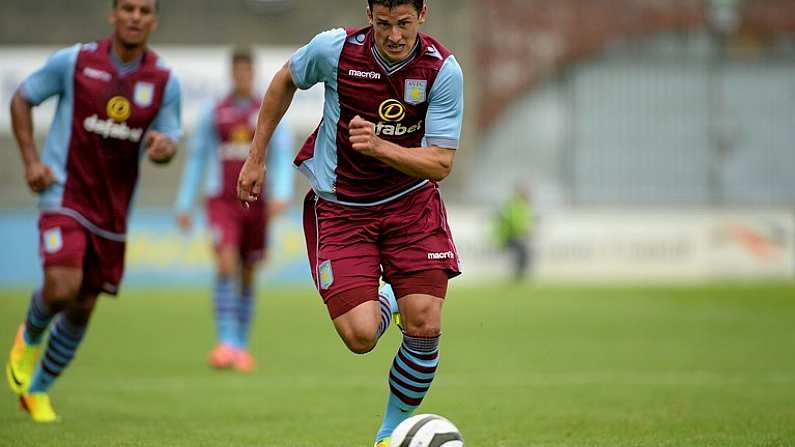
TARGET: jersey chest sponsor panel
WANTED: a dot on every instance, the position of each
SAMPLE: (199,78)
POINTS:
(111,115)
(235,125)
(396,104)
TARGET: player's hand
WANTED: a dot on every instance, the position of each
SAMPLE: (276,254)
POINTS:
(276,207)
(159,148)
(185,222)
(362,136)
(38,176)
(250,180)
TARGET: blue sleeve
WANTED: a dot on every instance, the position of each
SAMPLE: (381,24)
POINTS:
(169,118)
(50,79)
(280,166)
(317,61)
(204,140)
(446,106)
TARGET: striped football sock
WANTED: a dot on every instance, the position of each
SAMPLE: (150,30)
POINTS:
(388,304)
(410,378)
(245,312)
(64,340)
(38,319)
(225,311)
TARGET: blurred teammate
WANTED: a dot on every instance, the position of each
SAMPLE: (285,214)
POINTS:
(390,128)
(220,146)
(116,101)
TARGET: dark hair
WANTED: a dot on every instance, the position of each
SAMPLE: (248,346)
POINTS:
(418,4)
(242,55)
(116,2)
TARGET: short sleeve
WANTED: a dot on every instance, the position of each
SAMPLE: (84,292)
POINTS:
(317,61)
(51,79)
(446,106)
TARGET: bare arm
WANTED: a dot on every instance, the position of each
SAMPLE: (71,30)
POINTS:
(37,175)
(22,124)
(434,163)
(274,105)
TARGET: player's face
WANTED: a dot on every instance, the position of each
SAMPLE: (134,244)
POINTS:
(396,29)
(242,77)
(134,20)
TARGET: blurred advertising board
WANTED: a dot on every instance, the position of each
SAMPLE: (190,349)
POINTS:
(203,72)
(569,245)
(158,253)
(638,244)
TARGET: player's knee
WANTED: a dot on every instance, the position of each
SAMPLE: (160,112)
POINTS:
(360,341)
(61,288)
(226,270)
(360,346)
(423,330)
(423,324)
(227,261)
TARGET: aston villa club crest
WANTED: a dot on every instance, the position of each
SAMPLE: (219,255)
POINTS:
(53,240)
(415,91)
(144,93)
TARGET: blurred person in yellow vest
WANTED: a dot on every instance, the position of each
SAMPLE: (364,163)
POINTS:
(514,225)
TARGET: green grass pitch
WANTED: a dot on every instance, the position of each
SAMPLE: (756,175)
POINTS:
(521,366)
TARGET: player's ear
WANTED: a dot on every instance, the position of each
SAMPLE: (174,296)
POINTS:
(423,14)
(369,16)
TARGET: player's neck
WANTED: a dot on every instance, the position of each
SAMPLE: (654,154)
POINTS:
(127,53)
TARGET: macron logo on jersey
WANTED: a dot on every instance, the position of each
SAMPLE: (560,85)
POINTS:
(100,75)
(364,74)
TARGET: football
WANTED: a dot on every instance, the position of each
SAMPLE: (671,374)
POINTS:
(426,430)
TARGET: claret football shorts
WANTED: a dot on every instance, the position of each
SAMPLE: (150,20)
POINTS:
(65,242)
(351,247)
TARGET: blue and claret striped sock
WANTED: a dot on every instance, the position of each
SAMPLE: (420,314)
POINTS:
(245,313)
(38,319)
(388,305)
(64,340)
(409,380)
(225,310)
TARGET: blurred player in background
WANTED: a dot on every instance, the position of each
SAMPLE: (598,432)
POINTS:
(115,100)
(218,148)
(391,125)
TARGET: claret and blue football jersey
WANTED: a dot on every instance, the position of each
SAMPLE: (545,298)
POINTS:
(95,142)
(416,103)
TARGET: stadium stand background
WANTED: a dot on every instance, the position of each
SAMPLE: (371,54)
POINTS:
(656,136)
(687,101)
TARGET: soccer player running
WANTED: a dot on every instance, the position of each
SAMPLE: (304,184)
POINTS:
(116,101)
(391,124)
(219,147)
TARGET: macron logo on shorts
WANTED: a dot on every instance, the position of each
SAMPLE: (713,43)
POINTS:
(443,255)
